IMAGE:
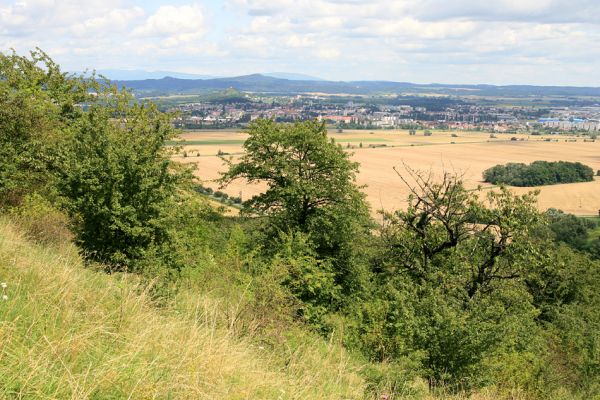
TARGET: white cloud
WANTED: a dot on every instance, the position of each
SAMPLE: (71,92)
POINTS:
(328,53)
(299,41)
(116,20)
(173,21)
(526,41)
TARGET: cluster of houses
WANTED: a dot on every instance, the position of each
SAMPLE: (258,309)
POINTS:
(459,116)
(573,118)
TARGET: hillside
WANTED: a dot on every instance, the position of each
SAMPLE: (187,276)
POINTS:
(69,332)
(118,280)
(272,84)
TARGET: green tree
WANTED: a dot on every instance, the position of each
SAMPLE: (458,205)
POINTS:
(449,282)
(38,106)
(539,173)
(311,188)
(570,229)
(119,180)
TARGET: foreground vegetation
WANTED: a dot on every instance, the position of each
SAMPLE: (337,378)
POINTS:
(301,296)
(69,331)
(539,173)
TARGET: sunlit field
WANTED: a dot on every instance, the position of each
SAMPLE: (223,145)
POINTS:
(379,151)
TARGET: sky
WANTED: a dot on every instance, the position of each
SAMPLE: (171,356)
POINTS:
(540,42)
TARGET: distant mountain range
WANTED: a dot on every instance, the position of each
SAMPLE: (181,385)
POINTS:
(275,84)
(138,74)
(292,76)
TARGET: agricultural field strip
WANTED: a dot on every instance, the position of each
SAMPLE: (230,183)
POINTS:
(383,187)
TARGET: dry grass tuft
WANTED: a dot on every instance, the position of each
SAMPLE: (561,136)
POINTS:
(69,332)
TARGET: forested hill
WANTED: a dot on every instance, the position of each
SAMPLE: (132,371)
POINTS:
(268,84)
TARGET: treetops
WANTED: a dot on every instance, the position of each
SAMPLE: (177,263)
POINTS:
(539,173)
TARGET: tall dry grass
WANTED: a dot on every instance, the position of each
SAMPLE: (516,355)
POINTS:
(68,332)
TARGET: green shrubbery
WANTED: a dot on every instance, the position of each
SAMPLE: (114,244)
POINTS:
(458,292)
(538,173)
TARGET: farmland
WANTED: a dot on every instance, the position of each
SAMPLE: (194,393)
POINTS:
(466,153)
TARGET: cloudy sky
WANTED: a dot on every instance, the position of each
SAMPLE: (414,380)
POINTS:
(548,42)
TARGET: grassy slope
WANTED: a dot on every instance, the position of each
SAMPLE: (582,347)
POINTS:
(69,332)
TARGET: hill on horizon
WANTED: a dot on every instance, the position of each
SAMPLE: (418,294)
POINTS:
(271,84)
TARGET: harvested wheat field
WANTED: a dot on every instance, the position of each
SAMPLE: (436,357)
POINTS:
(469,155)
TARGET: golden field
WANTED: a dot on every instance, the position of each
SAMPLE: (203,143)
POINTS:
(469,154)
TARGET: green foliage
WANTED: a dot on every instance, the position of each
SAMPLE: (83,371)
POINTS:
(42,221)
(308,278)
(570,229)
(71,136)
(449,283)
(119,181)
(565,291)
(38,105)
(539,173)
(310,189)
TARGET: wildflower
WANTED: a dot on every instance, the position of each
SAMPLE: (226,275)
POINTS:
(4,297)
(3,285)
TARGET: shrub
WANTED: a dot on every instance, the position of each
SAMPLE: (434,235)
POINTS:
(42,221)
(119,182)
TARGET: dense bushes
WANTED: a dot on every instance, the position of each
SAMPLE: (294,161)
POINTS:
(219,195)
(38,106)
(574,231)
(539,173)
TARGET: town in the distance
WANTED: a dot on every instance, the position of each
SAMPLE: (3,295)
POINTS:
(233,102)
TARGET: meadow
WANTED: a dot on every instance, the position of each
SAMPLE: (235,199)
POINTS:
(466,153)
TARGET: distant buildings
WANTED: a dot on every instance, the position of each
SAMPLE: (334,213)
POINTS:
(459,116)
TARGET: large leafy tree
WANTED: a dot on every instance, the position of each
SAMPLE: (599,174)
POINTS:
(311,188)
(38,106)
(89,147)
(119,180)
(450,281)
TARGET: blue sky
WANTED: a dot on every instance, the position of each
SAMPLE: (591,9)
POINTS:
(548,42)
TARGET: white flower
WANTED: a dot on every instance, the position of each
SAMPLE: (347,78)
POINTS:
(3,285)
(4,297)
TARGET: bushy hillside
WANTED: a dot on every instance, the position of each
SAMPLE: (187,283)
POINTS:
(69,332)
(131,285)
